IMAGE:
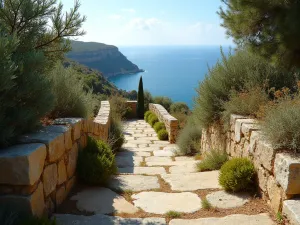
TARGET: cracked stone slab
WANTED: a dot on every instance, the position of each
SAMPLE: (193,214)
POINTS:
(134,183)
(171,163)
(161,203)
(291,209)
(193,181)
(163,153)
(188,168)
(102,201)
(143,170)
(224,200)
(127,154)
(98,219)
(184,158)
(158,159)
(140,149)
(125,161)
(236,219)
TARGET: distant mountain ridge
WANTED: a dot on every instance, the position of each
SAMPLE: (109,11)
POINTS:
(105,58)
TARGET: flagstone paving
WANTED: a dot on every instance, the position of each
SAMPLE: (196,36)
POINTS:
(151,181)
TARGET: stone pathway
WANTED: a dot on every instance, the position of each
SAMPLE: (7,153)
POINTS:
(153,181)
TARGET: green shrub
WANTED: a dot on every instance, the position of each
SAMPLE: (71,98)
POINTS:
(173,214)
(179,107)
(245,103)
(189,139)
(96,163)
(213,160)
(152,119)
(146,115)
(116,136)
(164,101)
(234,73)
(162,135)
(281,125)
(159,126)
(118,106)
(237,175)
(70,98)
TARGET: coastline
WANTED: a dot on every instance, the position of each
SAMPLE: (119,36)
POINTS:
(124,73)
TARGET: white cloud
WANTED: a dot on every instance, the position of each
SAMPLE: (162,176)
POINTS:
(128,10)
(143,24)
(115,17)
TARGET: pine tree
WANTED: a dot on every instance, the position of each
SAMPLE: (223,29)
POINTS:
(140,100)
(269,28)
(28,50)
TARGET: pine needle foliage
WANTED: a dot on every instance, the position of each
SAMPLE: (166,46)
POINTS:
(140,100)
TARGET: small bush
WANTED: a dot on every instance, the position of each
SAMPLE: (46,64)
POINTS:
(245,103)
(159,126)
(96,163)
(116,137)
(162,135)
(189,138)
(119,107)
(173,214)
(281,125)
(70,98)
(206,204)
(152,119)
(237,175)
(164,101)
(212,161)
(146,115)
(147,99)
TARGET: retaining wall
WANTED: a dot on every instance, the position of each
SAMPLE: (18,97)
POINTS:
(278,172)
(37,174)
(170,122)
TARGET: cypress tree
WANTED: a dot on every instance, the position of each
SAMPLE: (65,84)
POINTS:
(140,100)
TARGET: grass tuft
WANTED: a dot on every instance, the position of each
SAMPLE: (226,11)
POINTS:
(206,204)
(173,214)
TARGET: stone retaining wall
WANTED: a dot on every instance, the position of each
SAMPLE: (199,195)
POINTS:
(170,122)
(37,174)
(278,173)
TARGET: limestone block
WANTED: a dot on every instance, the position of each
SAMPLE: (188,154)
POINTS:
(61,172)
(262,176)
(287,172)
(238,127)
(248,128)
(70,184)
(61,194)
(22,164)
(264,155)
(66,130)
(75,123)
(83,141)
(72,160)
(275,194)
(233,118)
(50,178)
(33,204)
(291,209)
(55,143)
(255,137)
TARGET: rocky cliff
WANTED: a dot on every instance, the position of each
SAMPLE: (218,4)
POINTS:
(105,58)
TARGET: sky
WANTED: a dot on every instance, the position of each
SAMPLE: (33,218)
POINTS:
(152,22)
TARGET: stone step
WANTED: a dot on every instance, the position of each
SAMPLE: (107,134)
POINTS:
(291,209)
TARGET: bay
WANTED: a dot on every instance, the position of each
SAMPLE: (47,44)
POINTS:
(172,71)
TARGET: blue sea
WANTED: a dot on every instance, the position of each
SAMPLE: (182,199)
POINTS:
(174,71)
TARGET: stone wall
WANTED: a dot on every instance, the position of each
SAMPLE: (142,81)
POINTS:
(37,174)
(278,173)
(170,122)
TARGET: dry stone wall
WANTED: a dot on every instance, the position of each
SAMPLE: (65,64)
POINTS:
(278,172)
(170,122)
(37,174)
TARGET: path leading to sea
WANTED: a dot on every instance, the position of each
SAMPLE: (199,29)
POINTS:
(156,187)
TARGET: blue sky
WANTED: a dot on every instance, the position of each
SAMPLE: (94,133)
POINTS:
(152,22)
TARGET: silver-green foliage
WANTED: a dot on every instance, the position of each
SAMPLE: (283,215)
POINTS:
(234,72)
(70,98)
(281,125)
(213,160)
(189,138)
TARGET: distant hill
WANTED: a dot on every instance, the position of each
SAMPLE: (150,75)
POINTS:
(105,58)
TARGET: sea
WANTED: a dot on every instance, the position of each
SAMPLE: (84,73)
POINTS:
(172,71)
